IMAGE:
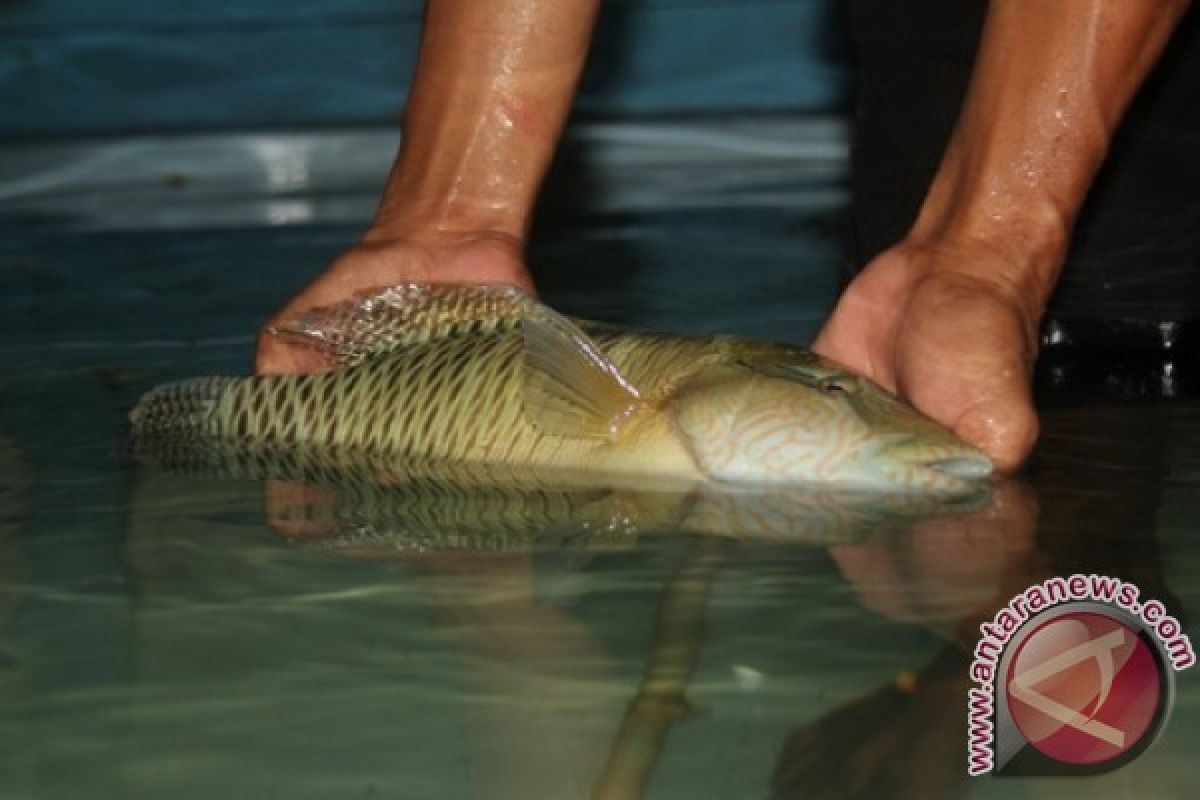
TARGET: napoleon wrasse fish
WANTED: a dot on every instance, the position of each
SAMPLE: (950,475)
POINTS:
(487,376)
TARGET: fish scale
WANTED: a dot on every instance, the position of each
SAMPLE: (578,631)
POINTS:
(427,399)
(487,376)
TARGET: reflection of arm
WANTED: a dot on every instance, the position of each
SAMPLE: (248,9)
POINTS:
(493,85)
(1051,82)
(660,700)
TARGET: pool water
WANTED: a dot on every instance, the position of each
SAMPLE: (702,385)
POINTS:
(159,638)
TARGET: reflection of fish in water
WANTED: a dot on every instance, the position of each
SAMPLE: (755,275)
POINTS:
(357,506)
(485,375)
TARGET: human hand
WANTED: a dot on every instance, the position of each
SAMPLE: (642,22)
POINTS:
(949,571)
(387,260)
(958,343)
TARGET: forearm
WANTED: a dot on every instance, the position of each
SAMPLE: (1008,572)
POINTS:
(493,86)
(1051,82)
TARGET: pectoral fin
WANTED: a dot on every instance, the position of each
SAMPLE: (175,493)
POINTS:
(382,320)
(571,386)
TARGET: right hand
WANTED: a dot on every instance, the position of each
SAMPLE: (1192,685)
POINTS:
(382,260)
(957,345)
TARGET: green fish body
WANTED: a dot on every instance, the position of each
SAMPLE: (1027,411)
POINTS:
(486,380)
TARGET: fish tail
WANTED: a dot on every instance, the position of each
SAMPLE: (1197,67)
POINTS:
(181,411)
(171,424)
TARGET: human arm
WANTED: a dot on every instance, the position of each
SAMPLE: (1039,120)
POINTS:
(489,99)
(949,316)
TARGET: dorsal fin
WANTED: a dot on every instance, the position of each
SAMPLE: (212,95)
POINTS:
(382,320)
(571,386)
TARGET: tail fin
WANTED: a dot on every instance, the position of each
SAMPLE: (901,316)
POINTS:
(174,424)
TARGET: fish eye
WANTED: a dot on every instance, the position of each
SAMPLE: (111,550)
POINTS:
(832,386)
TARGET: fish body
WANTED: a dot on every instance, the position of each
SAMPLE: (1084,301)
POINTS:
(488,379)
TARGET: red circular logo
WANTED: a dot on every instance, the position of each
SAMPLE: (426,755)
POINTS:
(1084,688)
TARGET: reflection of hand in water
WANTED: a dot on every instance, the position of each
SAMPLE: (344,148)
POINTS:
(947,572)
(289,507)
(949,575)
(907,740)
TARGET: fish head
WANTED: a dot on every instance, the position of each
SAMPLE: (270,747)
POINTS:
(791,417)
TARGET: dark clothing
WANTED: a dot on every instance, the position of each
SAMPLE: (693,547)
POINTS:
(1136,250)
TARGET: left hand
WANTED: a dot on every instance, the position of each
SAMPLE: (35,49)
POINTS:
(381,261)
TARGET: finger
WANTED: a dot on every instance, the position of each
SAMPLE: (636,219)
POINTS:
(1006,429)
(270,355)
(273,356)
(298,510)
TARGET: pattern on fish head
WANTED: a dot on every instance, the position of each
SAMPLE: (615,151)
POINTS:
(805,420)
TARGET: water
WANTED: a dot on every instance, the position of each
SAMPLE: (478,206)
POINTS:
(159,639)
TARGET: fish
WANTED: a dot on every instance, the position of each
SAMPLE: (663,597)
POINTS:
(486,380)
(359,506)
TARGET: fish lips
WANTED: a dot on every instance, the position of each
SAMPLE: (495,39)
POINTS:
(908,461)
(973,466)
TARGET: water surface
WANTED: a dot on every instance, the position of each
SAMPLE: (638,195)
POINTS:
(162,636)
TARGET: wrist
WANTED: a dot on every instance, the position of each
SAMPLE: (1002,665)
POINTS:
(1035,125)
(485,113)
(441,217)
(440,236)
(1017,262)
(987,227)
(970,265)
(477,255)
(448,186)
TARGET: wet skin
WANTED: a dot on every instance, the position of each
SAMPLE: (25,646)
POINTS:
(947,317)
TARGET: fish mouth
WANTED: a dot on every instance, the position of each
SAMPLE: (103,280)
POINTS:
(971,465)
(938,465)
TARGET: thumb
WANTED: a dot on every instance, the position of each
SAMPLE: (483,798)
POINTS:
(275,357)
(1005,427)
